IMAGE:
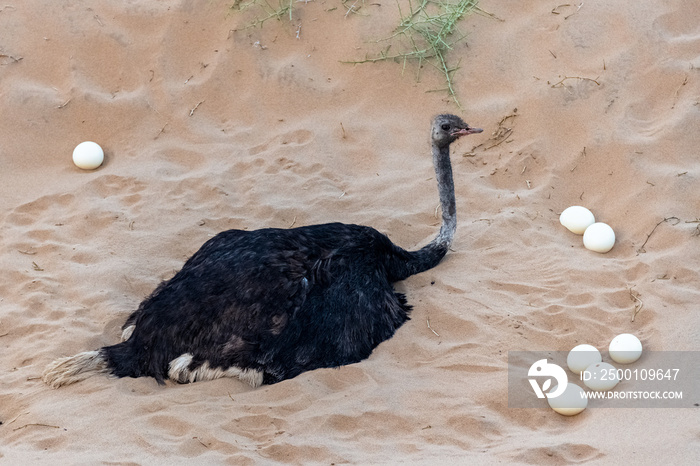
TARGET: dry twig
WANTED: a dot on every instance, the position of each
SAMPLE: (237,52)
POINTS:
(555,12)
(427,321)
(200,441)
(162,130)
(195,107)
(639,304)
(565,78)
(641,249)
(35,424)
(17,417)
(14,59)
(675,97)
(65,103)
(499,136)
(696,232)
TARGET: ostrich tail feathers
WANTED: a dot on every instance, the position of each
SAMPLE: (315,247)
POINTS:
(65,371)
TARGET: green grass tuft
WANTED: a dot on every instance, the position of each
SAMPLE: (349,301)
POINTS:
(278,10)
(426,33)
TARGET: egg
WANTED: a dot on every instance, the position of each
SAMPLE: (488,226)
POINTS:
(569,403)
(625,348)
(581,357)
(576,219)
(88,155)
(599,237)
(600,376)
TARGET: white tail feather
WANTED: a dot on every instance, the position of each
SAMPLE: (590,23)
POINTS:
(65,371)
(126,333)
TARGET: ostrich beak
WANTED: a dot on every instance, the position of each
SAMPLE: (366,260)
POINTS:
(467,130)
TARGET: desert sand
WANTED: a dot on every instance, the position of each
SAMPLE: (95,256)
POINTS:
(208,125)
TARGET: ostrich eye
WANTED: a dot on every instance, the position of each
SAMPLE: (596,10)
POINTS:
(445,127)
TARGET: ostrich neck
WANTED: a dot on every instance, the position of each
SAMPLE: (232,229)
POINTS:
(446,190)
(405,264)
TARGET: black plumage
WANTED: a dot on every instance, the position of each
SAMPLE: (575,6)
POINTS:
(269,304)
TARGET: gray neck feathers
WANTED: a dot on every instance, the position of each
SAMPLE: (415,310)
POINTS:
(432,253)
(446,189)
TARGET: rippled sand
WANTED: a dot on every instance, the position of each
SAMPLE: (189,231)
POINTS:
(206,128)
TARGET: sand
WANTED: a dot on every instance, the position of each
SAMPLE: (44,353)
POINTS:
(209,126)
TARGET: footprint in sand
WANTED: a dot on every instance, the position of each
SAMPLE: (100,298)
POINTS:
(646,118)
(27,214)
(565,453)
(115,185)
(678,27)
(51,223)
(175,163)
(293,138)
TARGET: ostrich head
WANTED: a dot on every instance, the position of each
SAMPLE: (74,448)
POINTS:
(447,128)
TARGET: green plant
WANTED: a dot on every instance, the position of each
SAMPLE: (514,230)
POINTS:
(426,34)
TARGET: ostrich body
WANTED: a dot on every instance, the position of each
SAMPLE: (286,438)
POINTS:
(269,304)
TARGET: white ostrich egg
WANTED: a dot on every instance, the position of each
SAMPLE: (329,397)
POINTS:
(625,348)
(599,237)
(88,155)
(581,357)
(576,219)
(600,376)
(569,403)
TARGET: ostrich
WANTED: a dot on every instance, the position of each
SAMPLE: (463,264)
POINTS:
(269,304)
